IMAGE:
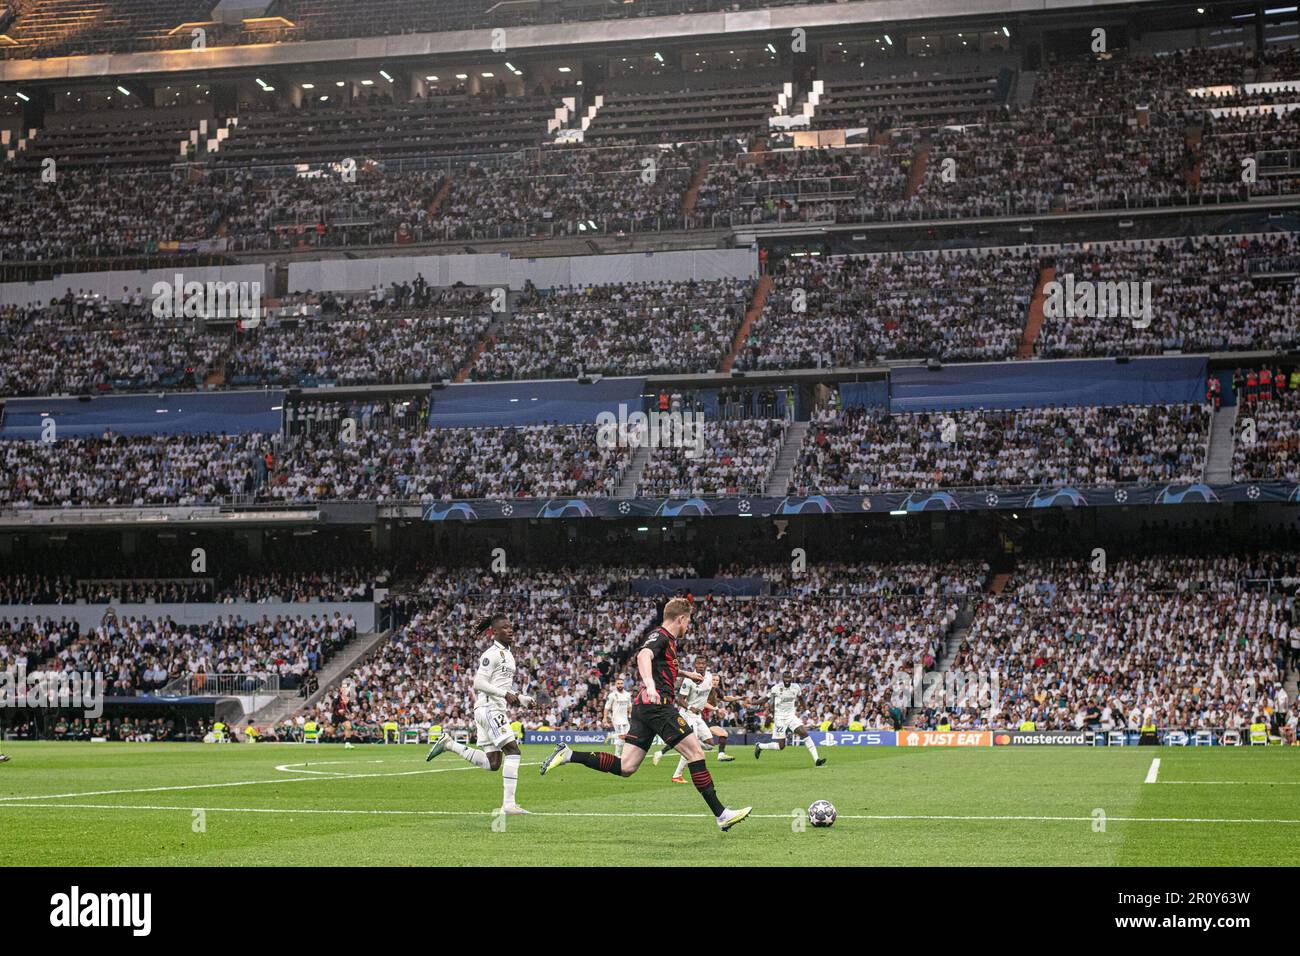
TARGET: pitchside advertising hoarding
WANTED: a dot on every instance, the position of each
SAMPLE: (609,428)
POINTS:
(945,738)
(927,738)
(566,736)
(1041,738)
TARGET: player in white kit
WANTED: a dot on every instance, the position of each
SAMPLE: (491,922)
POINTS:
(618,707)
(492,683)
(785,717)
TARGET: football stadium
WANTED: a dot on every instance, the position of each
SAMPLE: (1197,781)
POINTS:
(678,433)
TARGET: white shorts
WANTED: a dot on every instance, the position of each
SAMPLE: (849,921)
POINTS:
(621,727)
(784,723)
(698,726)
(493,728)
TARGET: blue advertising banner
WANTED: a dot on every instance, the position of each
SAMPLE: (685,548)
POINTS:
(888,502)
(566,736)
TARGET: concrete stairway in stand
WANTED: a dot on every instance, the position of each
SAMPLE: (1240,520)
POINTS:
(778,483)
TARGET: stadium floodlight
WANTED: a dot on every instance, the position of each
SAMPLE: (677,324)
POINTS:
(23,96)
(488,74)
(889,39)
(566,69)
(309,86)
(660,57)
(1269,13)
(384,74)
(462,76)
(1006,32)
(340,83)
(771,49)
(367,82)
(260,82)
(124,91)
(432,78)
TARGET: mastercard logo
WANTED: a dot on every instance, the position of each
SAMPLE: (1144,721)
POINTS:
(1002,739)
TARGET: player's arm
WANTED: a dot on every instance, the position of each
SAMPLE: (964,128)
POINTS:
(698,678)
(644,659)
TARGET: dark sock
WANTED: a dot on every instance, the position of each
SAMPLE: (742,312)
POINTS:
(722,744)
(704,783)
(598,760)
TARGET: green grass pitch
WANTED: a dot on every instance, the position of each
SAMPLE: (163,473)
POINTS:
(136,804)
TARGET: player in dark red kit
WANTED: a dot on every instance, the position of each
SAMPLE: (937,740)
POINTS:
(653,714)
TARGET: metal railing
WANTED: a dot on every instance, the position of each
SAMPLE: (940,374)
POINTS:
(222,685)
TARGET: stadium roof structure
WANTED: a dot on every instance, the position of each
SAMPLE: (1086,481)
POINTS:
(541,38)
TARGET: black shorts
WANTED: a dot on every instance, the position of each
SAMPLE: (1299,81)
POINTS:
(655,720)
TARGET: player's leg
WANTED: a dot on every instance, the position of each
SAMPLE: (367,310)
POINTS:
(478,758)
(720,742)
(659,754)
(705,737)
(598,760)
(487,726)
(806,739)
(690,749)
(510,776)
(778,739)
(636,742)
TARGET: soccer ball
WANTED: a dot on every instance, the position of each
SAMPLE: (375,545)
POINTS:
(821,813)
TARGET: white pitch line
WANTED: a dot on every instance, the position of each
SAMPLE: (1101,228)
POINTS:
(694,816)
(10,801)
(289,767)
(1232,783)
(1154,771)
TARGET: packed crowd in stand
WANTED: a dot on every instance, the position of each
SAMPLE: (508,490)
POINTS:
(137,655)
(65,589)
(731,458)
(1070,652)
(864,450)
(89,342)
(1203,296)
(844,311)
(1197,294)
(623,329)
(574,634)
(1269,448)
(575,190)
(845,451)
(1081,143)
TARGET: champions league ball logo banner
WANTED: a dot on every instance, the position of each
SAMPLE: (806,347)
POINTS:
(889,502)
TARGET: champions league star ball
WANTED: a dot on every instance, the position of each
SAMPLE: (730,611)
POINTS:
(821,813)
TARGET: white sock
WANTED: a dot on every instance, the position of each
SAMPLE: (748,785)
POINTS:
(681,766)
(812,747)
(770,745)
(477,757)
(618,748)
(509,778)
